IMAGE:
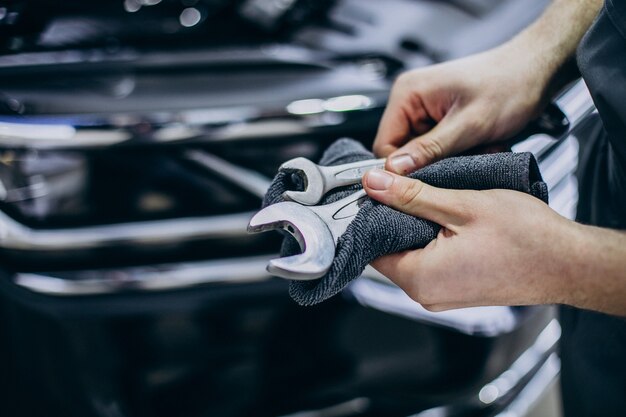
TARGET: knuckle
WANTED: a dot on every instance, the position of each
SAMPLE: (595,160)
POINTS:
(478,120)
(472,123)
(475,124)
(431,148)
(407,79)
(469,205)
(379,147)
(409,192)
(478,205)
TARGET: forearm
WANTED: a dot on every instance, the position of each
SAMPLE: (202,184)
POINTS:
(597,270)
(550,43)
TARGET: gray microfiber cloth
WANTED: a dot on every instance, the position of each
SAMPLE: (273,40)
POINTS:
(378,230)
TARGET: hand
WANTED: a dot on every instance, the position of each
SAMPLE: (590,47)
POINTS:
(445,109)
(496,247)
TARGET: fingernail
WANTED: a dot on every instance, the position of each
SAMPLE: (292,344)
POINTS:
(377,179)
(403,164)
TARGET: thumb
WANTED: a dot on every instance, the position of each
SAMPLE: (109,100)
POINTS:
(447,208)
(437,143)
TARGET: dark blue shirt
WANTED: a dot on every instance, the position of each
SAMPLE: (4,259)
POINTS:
(593,345)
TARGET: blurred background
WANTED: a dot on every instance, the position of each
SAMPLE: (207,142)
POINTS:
(136,139)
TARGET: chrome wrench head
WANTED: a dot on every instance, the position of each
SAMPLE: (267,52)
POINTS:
(309,230)
(313,181)
(316,229)
(318,180)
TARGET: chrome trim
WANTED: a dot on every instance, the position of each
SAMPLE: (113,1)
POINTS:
(558,161)
(149,278)
(539,360)
(215,124)
(558,170)
(524,365)
(576,103)
(244,178)
(210,124)
(269,54)
(565,200)
(62,136)
(375,291)
(545,377)
(14,235)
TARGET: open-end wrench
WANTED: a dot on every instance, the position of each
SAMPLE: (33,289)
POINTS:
(318,180)
(316,229)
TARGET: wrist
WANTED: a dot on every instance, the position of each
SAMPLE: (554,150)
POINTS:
(532,72)
(597,280)
(573,256)
(587,263)
(564,262)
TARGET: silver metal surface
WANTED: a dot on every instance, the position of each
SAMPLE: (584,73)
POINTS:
(539,362)
(558,169)
(316,229)
(319,180)
(246,179)
(16,236)
(558,160)
(524,365)
(228,123)
(148,278)
(375,291)
(530,396)
(576,103)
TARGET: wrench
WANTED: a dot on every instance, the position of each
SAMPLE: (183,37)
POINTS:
(316,229)
(318,180)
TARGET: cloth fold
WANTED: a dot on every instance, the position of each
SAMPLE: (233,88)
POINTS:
(378,230)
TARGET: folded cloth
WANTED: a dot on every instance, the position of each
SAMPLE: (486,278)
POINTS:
(378,230)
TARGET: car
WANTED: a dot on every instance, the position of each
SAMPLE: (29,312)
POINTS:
(137,139)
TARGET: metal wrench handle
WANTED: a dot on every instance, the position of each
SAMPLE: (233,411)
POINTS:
(339,215)
(348,174)
(319,180)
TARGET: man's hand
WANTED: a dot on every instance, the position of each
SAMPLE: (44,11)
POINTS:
(445,109)
(496,247)
(500,247)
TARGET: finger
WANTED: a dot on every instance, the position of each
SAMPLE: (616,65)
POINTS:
(435,144)
(392,131)
(449,208)
(404,117)
(399,267)
(403,269)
